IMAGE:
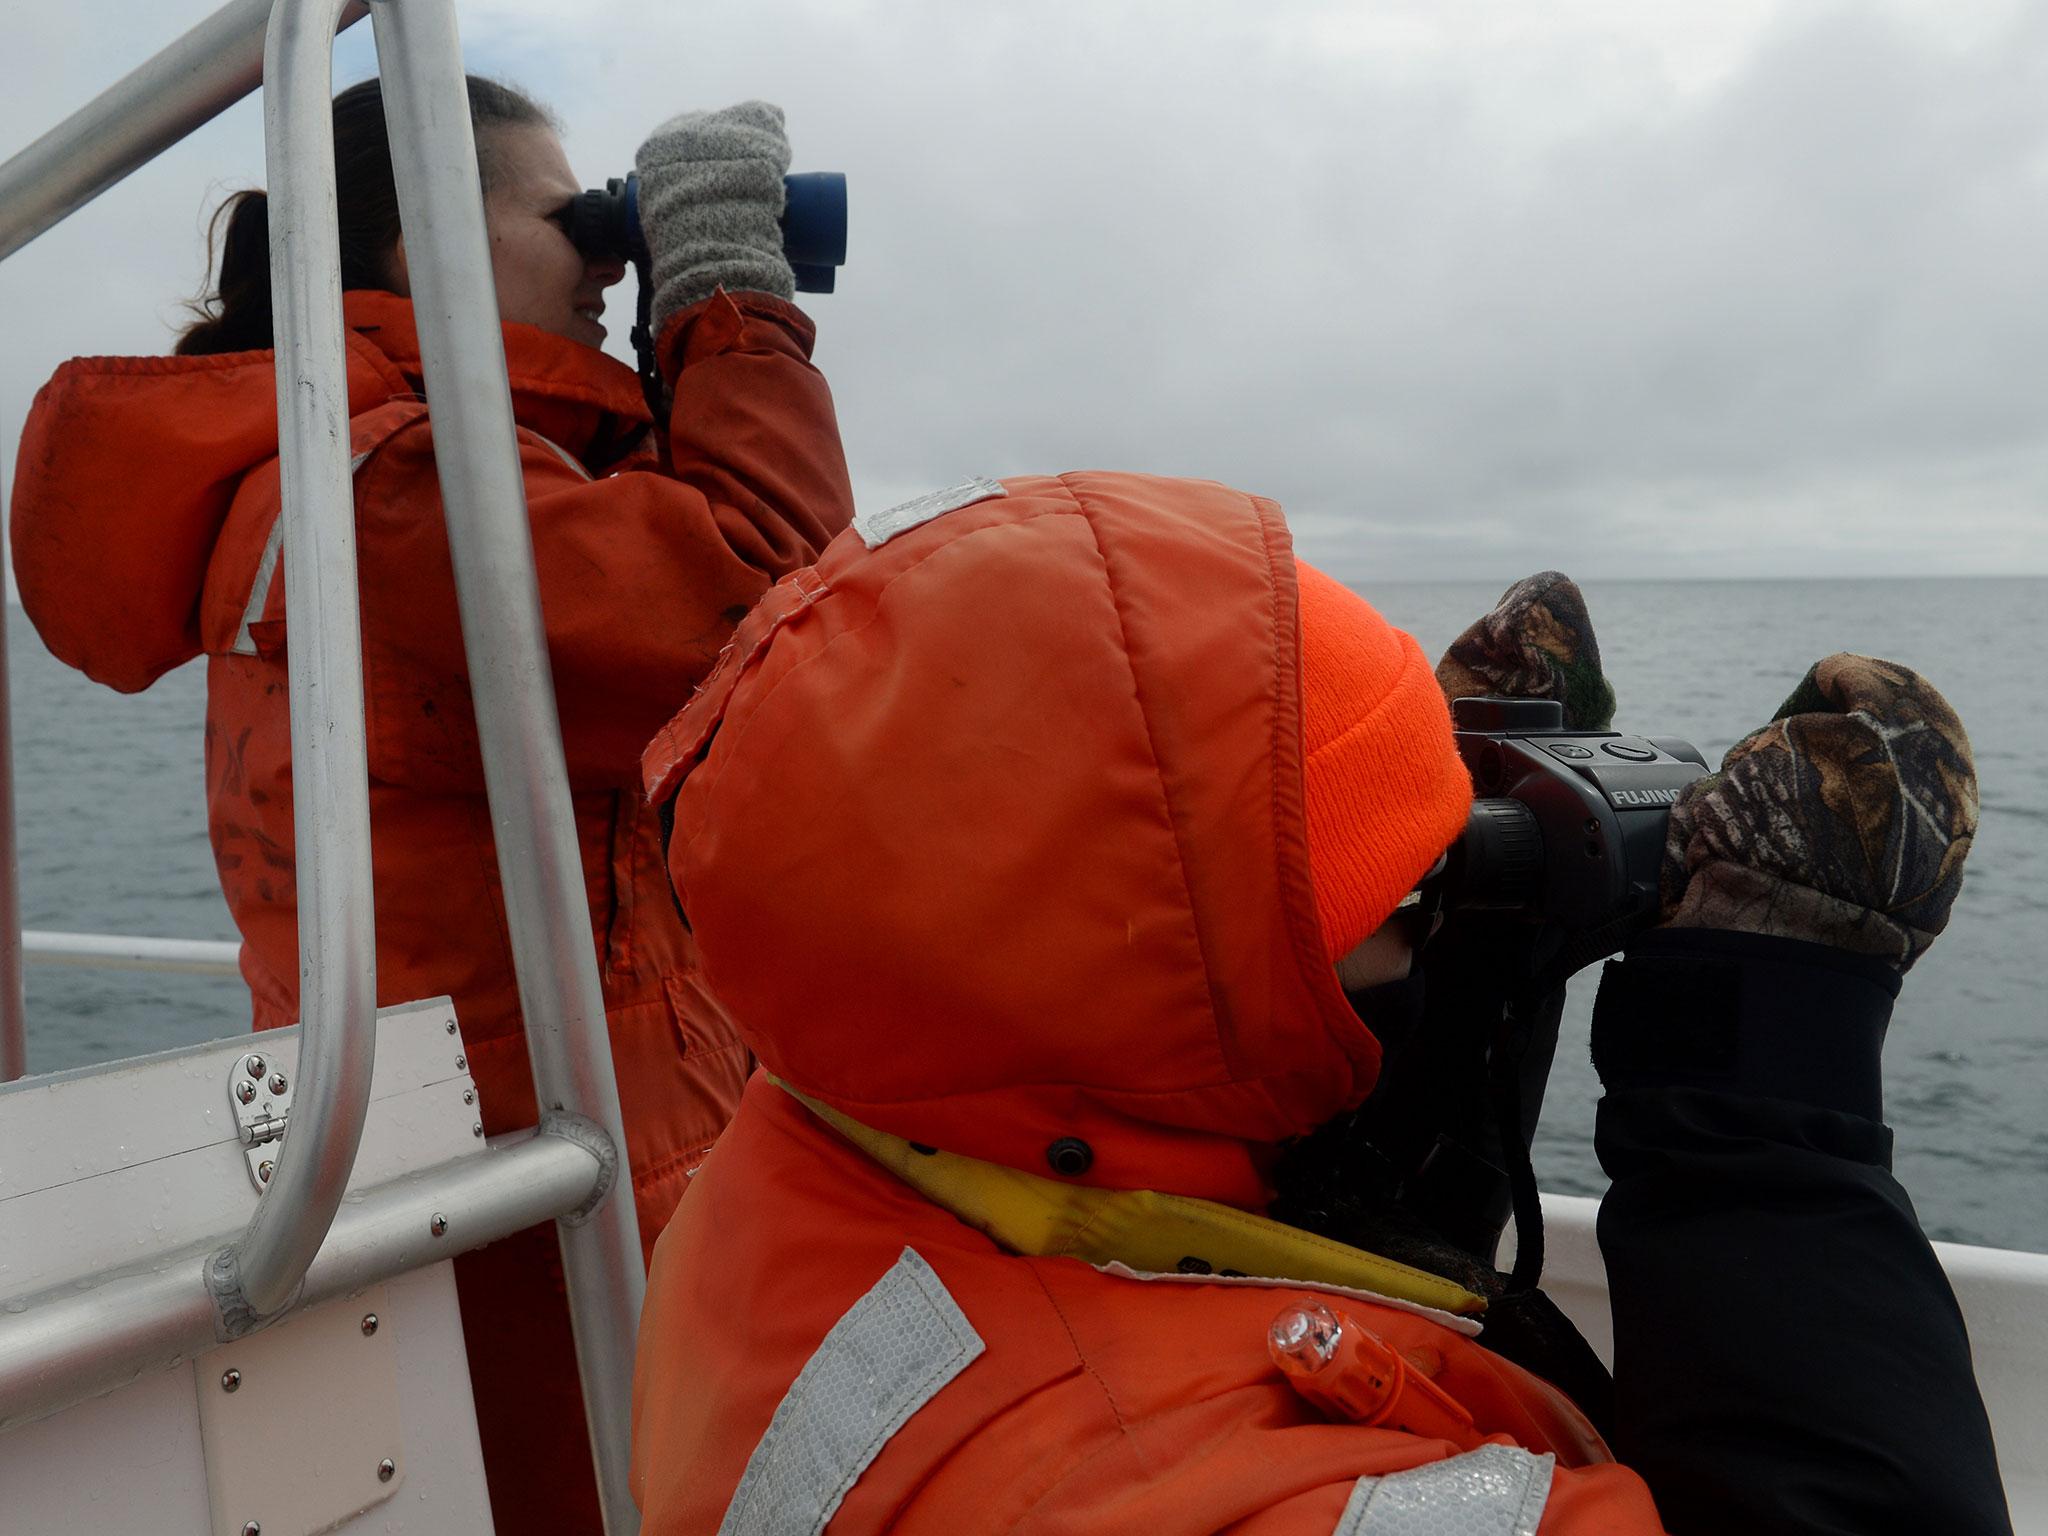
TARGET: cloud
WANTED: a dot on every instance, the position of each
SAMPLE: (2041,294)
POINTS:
(1650,290)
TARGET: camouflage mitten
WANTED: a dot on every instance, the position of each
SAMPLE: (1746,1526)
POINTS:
(1536,644)
(1845,821)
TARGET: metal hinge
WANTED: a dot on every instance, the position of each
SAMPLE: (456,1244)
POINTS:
(262,1097)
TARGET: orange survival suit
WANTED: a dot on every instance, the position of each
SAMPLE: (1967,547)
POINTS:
(146,533)
(991,829)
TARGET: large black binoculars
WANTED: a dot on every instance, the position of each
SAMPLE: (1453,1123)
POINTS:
(1557,869)
(1567,829)
(605,221)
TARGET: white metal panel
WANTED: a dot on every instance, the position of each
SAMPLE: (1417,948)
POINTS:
(133,1464)
(130,1163)
(444,1480)
(118,1166)
(126,1465)
(144,1117)
(301,1423)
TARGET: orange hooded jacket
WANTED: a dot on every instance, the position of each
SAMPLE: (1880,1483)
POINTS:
(1046,887)
(145,533)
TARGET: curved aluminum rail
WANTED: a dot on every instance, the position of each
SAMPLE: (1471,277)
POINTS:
(476,449)
(191,82)
(198,77)
(259,1273)
(208,69)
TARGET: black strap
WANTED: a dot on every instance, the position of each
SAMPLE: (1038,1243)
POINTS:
(1519,1020)
(1526,1199)
(643,349)
(1528,1328)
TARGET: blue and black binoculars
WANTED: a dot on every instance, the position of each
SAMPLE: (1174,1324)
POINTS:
(606,222)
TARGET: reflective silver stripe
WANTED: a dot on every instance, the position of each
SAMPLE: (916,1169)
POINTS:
(878,528)
(886,1358)
(266,566)
(266,572)
(560,452)
(1497,1490)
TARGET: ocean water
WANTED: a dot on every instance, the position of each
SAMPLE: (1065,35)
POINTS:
(113,840)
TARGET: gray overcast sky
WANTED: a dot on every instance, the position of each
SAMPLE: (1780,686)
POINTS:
(1634,288)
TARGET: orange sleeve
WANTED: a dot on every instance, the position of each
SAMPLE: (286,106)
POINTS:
(643,573)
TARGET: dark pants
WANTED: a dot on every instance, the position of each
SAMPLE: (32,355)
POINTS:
(1788,1354)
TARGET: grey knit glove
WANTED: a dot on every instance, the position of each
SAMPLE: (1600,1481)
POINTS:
(711,205)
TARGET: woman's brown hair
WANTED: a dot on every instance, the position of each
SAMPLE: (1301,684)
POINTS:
(235,315)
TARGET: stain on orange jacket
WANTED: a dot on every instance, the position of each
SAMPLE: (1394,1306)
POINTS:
(1051,886)
(144,535)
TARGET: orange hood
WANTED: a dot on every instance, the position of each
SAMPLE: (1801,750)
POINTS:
(993,836)
(128,466)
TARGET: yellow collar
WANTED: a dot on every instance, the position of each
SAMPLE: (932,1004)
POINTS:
(1139,1228)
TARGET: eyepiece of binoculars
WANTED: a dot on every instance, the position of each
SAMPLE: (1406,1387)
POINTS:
(605,221)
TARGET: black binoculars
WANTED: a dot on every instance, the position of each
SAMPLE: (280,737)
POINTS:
(605,221)
(1557,869)
(1568,826)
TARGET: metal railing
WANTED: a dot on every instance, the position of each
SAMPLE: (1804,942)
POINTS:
(139,1322)
(128,952)
(258,1274)
(70,1345)
(13,1002)
(547,909)
(184,87)
(198,76)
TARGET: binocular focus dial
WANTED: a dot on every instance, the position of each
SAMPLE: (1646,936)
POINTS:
(605,221)
(1498,863)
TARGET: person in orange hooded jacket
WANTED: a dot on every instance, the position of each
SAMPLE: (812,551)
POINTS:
(146,533)
(1044,979)
(1108,806)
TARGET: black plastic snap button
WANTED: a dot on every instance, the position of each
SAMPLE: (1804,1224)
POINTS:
(1070,1157)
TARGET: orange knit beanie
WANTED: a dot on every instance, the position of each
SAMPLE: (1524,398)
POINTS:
(1386,789)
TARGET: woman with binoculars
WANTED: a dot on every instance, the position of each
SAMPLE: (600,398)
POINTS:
(146,533)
